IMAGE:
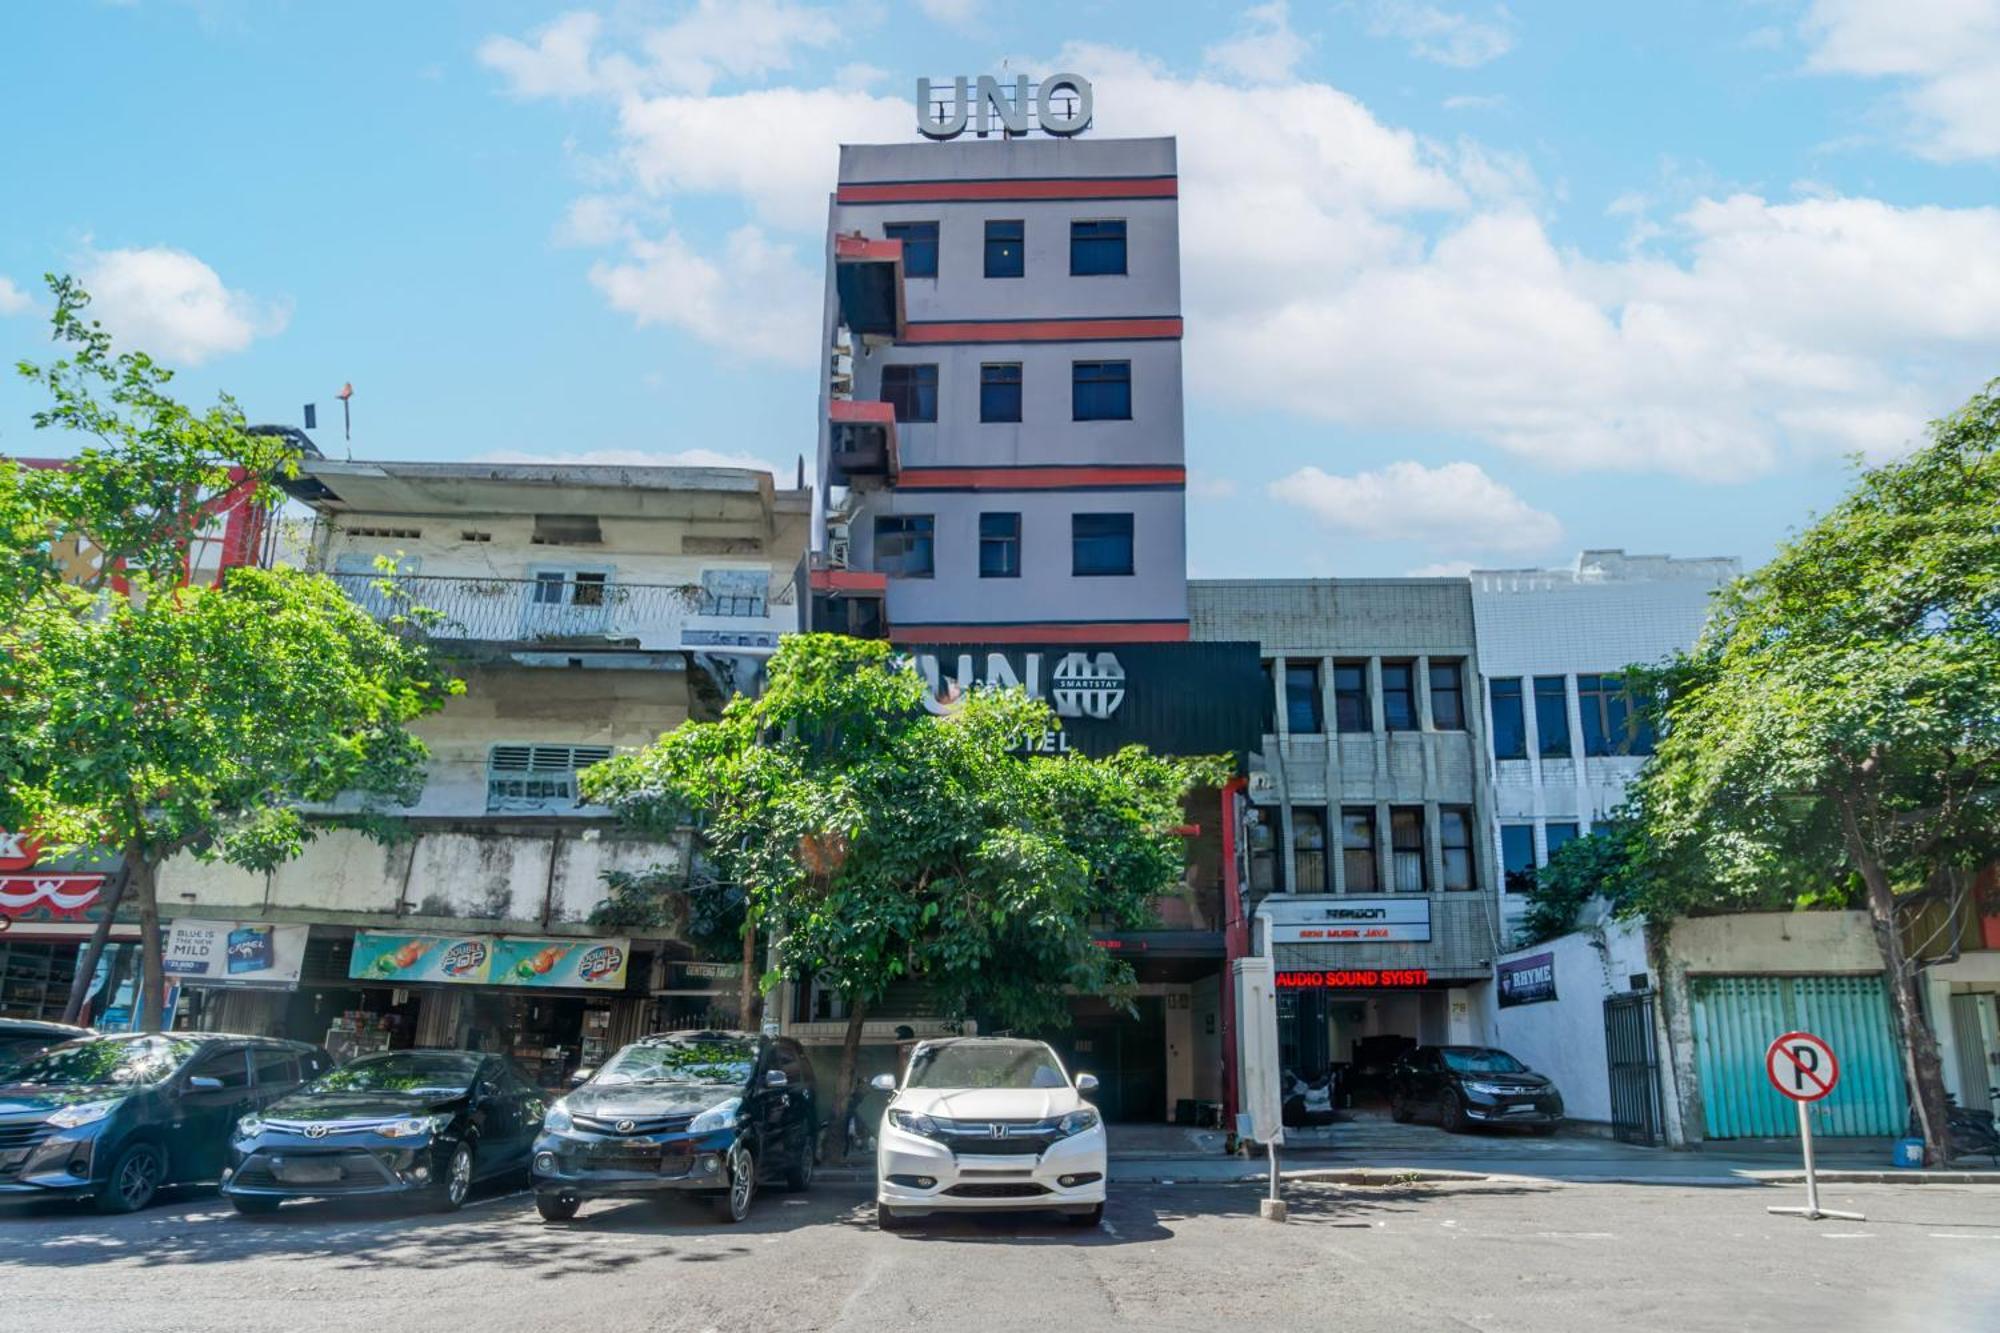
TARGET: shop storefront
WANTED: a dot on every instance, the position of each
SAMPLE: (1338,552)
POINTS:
(48,910)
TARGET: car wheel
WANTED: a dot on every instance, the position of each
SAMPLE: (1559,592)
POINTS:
(254,1205)
(1452,1113)
(799,1176)
(135,1178)
(1089,1219)
(557,1207)
(457,1182)
(1398,1112)
(888,1219)
(734,1203)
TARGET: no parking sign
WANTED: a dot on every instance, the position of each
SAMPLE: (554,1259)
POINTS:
(1802,1066)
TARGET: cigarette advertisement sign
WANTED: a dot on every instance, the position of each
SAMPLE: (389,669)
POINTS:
(235,953)
(490,960)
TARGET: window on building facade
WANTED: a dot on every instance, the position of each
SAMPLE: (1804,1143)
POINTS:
(920,247)
(1455,846)
(1517,857)
(1266,871)
(1610,724)
(570,587)
(1399,696)
(999,546)
(1552,716)
(1447,695)
(1270,669)
(1357,849)
(1101,391)
(1406,847)
(912,391)
(1100,545)
(1510,727)
(1350,697)
(735,592)
(1302,708)
(1006,254)
(905,545)
(1097,248)
(1000,391)
(1559,835)
(1309,850)
(538,778)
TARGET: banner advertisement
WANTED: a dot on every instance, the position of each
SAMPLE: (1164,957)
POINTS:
(574,964)
(1348,920)
(235,953)
(1530,980)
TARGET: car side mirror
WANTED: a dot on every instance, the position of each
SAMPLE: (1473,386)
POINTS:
(883,1083)
(1086,1083)
(775,1078)
(203,1083)
(580,1077)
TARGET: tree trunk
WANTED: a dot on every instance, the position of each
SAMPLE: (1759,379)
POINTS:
(86,966)
(152,972)
(850,1055)
(1923,1070)
(747,990)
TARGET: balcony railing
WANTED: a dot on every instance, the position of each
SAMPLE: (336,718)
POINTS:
(574,610)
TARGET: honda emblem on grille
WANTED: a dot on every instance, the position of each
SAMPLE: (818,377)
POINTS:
(317,1131)
(626,1126)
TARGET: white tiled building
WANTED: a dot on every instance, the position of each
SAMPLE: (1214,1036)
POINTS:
(1551,643)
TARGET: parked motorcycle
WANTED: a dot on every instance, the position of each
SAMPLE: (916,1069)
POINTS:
(1970,1131)
(1307,1101)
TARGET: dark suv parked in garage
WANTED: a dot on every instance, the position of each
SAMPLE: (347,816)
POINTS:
(115,1118)
(1473,1085)
(710,1113)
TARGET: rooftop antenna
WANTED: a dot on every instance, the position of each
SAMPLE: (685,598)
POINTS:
(347,418)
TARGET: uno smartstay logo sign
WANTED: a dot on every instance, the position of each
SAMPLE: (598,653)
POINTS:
(1060,105)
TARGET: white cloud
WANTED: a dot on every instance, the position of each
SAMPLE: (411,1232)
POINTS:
(170,304)
(712,41)
(1444,36)
(13,300)
(631,458)
(1208,486)
(960,14)
(557,65)
(1455,505)
(1265,49)
(754,299)
(1945,53)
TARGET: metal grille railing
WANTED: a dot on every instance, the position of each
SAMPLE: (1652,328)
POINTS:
(570,608)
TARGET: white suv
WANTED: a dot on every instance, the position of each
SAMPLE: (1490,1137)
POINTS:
(988,1123)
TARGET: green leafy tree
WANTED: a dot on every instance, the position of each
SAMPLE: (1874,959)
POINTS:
(1605,864)
(877,842)
(1836,730)
(147,717)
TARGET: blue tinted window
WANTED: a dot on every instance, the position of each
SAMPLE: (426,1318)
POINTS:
(1510,728)
(1100,544)
(905,545)
(1006,256)
(912,391)
(1552,716)
(1517,857)
(1101,391)
(999,546)
(1096,248)
(920,247)
(1000,393)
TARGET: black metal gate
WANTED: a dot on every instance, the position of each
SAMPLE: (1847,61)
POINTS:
(1634,1068)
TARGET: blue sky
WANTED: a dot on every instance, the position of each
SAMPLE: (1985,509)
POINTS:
(1465,284)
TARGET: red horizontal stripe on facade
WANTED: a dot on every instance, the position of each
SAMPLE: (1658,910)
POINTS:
(1040,330)
(1108,632)
(936,192)
(1036,478)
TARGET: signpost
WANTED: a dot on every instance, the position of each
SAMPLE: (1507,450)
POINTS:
(1804,1068)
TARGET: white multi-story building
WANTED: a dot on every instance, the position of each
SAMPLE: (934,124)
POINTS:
(1552,643)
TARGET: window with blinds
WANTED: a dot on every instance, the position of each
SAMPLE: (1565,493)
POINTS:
(538,779)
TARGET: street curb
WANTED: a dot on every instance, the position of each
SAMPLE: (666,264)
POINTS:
(1890,1177)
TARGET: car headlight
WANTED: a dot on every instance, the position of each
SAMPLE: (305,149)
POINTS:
(1487,1089)
(720,1116)
(415,1126)
(556,1120)
(250,1126)
(914,1122)
(1076,1122)
(83,1113)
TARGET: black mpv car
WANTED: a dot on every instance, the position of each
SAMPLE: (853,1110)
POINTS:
(424,1123)
(710,1113)
(116,1118)
(1473,1085)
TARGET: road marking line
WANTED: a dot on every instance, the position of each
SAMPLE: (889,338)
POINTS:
(1959,1235)
(1848,1235)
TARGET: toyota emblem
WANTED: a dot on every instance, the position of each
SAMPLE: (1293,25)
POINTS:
(626,1126)
(316,1131)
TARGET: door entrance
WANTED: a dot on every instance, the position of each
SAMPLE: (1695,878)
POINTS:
(1634,1068)
(1129,1057)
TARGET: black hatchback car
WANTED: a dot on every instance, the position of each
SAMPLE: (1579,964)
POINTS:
(709,1113)
(418,1122)
(1465,1086)
(115,1118)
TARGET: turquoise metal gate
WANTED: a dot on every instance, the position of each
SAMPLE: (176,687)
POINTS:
(1737,1018)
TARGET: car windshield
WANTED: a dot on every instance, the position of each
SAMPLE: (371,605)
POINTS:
(722,1061)
(412,1073)
(90,1063)
(959,1065)
(1486,1061)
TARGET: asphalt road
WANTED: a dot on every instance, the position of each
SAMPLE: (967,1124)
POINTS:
(1489,1256)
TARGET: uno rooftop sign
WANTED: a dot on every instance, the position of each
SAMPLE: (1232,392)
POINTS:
(1061,105)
